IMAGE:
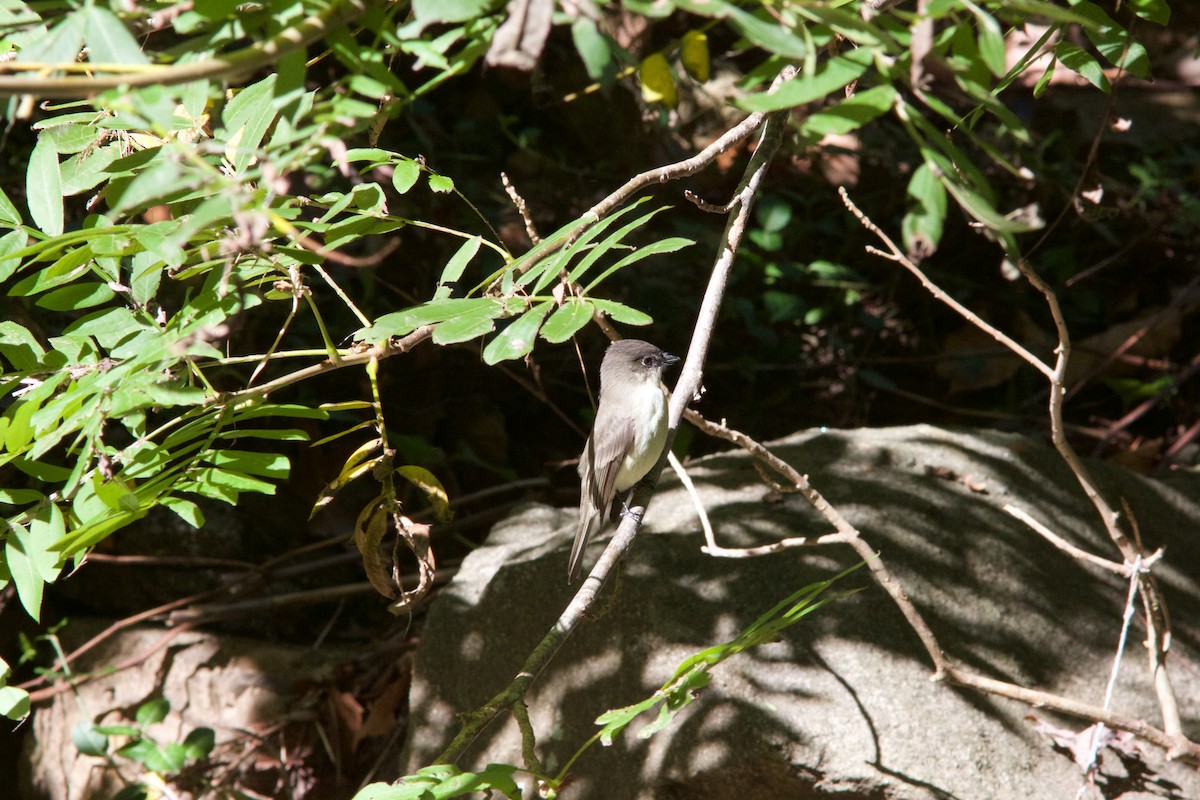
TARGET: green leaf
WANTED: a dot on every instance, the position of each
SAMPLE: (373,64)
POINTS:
(11,242)
(22,566)
(455,266)
(161,181)
(621,312)
(91,534)
(108,41)
(109,327)
(769,35)
(613,241)
(567,319)
(66,269)
(850,25)
(991,39)
(61,45)
(441,184)
(14,702)
(168,759)
(19,347)
(114,494)
(88,740)
(773,213)
(850,114)
(472,325)
(9,217)
(280,410)
(77,296)
(87,169)
(830,76)
(1156,11)
(1114,42)
(1084,63)
(199,743)
(1044,81)
(270,465)
(516,341)
(246,119)
(670,245)
(546,270)
(401,323)
(922,225)
(430,11)
(593,49)
(186,510)
(20,497)
(272,434)
(405,174)
(152,711)
(43,187)
(232,480)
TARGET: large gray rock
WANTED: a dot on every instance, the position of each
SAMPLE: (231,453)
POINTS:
(842,704)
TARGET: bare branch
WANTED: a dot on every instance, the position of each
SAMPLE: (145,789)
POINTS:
(894,253)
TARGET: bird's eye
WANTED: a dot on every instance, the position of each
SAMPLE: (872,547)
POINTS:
(648,361)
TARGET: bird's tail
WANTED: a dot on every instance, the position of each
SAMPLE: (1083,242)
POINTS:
(588,520)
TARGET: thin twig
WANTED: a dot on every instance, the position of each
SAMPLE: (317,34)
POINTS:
(1062,544)
(522,209)
(894,253)
(690,487)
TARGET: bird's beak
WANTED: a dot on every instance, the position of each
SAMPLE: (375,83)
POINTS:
(669,359)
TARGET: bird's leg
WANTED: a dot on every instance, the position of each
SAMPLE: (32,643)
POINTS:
(625,508)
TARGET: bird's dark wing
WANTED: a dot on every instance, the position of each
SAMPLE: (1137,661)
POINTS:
(598,469)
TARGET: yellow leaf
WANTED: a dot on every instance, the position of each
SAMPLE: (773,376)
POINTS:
(658,84)
(369,530)
(431,487)
(693,52)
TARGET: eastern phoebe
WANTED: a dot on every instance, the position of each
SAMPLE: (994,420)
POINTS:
(628,437)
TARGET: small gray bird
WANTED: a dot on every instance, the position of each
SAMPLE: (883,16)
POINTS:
(628,437)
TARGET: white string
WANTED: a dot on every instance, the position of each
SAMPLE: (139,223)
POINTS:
(1099,729)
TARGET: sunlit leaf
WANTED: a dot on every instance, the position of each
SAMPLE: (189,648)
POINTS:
(693,54)
(405,174)
(593,49)
(430,11)
(922,225)
(830,76)
(455,266)
(43,187)
(621,312)
(431,487)
(851,113)
(9,216)
(516,340)
(108,41)
(658,84)
(566,320)
(1084,63)
(1156,11)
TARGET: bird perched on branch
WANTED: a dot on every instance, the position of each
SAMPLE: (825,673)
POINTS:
(628,437)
